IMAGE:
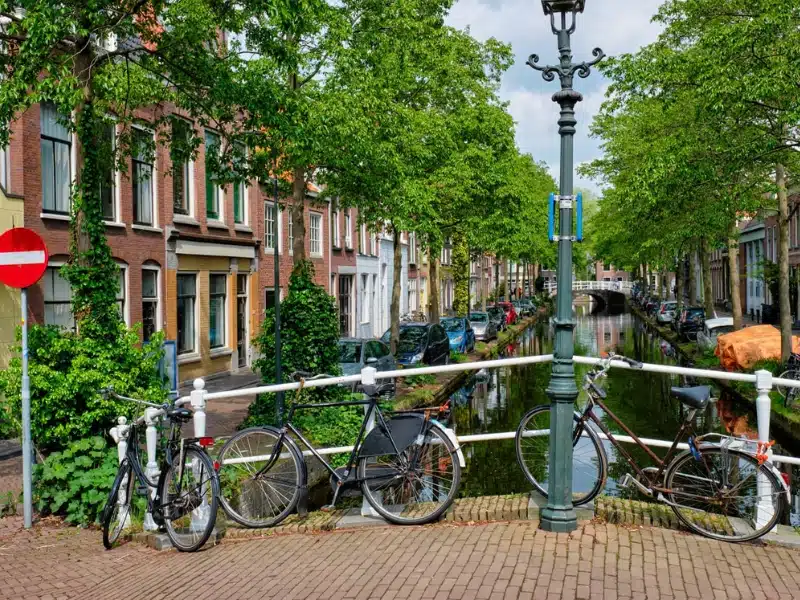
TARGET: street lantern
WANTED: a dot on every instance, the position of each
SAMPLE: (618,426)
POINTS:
(562,6)
(559,514)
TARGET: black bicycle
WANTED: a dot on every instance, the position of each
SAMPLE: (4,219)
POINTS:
(791,395)
(186,493)
(407,466)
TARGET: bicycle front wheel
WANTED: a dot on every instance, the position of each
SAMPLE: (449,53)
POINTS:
(589,461)
(189,499)
(725,494)
(415,486)
(117,512)
(788,374)
(249,496)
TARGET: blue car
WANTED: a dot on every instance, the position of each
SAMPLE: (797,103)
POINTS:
(460,333)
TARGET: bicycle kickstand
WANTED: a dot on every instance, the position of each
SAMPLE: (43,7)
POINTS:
(332,505)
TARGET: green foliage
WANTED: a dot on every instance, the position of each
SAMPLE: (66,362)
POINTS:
(772,365)
(457,357)
(309,342)
(420,380)
(68,370)
(460,270)
(75,483)
(9,502)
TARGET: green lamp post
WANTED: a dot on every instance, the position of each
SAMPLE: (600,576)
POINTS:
(559,514)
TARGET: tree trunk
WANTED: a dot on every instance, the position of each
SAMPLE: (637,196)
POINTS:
(298,214)
(394,311)
(708,291)
(679,291)
(434,284)
(692,276)
(482,281)
(783,264)
(508,282)
(733,267)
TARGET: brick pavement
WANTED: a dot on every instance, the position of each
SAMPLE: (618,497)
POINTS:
(497,560)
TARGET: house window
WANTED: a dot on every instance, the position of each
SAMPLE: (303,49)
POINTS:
(121,293)
(365,299)
(345,293)
(270,230)
(4,167)
(142,162)
(149,302)
(269,297)
(291,235)
(412,248)
(187,315)
(217,291)
(107,196)
(316,234)
(181,168)
(362,238)
(240,189)
(56,150)
(373,244)
(57,299)
(335,230)
(348,231)
(213,191)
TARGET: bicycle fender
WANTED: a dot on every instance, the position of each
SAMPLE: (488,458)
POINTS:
(452,435)
(774,468)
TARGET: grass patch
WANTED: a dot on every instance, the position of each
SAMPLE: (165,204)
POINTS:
(480,347)
(457,357)
(419,380)
(415,399)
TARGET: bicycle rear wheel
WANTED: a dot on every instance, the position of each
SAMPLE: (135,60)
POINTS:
(589,461)
(725,494)
(250,497)
(791,395)
(415,486)
(117,512)
(189,499)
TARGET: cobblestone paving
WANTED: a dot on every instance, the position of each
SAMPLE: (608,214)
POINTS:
(498,560)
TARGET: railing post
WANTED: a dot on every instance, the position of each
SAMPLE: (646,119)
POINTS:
(765,507)
(151,469)
(370,387)
(120,436)
(197,397)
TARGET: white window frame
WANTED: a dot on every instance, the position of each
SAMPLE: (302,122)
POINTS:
(159,321)
(73,157)
(195,352)
(412,248)
(348,229)
(191,197)
(5,166)
(57,264)
(374,249)
(220,218)
(126,297)
(362,239)
(321,241)
(335,233)
(117,184)
(365,307)
(153,180)
(245,196)
(290,235)
(225,314)
(269,207)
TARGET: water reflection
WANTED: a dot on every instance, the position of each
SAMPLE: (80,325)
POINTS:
(496,400)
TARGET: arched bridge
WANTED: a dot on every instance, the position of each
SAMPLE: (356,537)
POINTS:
(604,292)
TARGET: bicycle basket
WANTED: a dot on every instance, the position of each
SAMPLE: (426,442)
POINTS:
(403,429)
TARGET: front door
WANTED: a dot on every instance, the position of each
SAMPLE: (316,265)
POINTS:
(241,319)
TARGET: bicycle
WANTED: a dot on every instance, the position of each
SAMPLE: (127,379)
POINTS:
(716,489)
(186,493)
(408,468)
(791,395)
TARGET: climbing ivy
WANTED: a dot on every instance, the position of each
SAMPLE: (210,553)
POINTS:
(460,270)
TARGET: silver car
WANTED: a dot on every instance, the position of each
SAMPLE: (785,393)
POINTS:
(665,312)
(485,328)
(355,354)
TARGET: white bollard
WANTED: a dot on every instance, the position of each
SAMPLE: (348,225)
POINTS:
(201,514)
(766,504)
(151,469)
(368,378)
(120,436)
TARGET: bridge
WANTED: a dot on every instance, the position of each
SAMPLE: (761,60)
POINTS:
(604,292)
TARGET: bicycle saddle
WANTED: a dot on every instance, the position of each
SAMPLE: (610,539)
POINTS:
(693,397)
(181,415)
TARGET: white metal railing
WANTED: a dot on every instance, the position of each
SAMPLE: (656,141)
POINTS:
(198,399)
(624,287)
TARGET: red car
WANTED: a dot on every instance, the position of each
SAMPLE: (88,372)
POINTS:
(511,314)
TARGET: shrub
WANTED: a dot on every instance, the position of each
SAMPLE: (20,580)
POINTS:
(458,357)
(418,380)
(772,365)
(309,342)
(75,483)
(68,370)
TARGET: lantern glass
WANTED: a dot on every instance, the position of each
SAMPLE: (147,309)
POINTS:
(562,6)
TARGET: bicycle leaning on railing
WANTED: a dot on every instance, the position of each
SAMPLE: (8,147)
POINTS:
(407,466)
(791,395)
(716,488)
(187,490)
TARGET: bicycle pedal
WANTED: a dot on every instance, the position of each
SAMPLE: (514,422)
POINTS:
(327,508)
(626,481)
(141,490)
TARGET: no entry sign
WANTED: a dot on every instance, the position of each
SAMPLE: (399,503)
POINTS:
(23,257)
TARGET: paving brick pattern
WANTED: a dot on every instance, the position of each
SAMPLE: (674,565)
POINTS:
(498,560)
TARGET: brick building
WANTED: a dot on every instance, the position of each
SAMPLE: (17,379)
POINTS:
(11,215)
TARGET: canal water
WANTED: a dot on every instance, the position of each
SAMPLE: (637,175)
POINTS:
(496,400)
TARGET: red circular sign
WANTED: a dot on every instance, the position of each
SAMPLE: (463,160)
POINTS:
(23,257)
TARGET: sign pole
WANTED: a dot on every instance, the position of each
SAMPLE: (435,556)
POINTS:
(26,418)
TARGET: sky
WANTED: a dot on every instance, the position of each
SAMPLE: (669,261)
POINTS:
(616,26)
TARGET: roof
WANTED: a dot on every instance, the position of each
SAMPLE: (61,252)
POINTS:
(719,322)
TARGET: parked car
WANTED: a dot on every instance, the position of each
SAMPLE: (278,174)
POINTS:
(690,322)
(355,354)
(484,327)
(511,313)
(460,333)
(421,343)
(524,307)
(707,336)
(666,311)
(497,316)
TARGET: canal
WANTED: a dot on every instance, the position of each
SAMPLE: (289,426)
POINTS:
(495,401)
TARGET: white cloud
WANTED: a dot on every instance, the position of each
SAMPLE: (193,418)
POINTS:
(616,26)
